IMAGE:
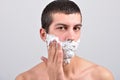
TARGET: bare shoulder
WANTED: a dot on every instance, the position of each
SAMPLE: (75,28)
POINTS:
(96,71)
(102,73)
(34,73)
(23,76)
(19,77)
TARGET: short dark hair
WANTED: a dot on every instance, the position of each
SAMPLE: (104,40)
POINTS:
(57,6)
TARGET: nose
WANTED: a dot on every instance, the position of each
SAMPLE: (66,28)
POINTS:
(70,35)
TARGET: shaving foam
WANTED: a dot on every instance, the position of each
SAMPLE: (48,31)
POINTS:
(69,47)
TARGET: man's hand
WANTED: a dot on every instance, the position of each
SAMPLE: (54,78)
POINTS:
(54,62)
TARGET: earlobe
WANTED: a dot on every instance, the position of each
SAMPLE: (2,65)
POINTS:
(43,34)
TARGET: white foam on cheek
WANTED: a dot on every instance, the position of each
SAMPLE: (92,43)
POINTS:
(50,38)
(69,47)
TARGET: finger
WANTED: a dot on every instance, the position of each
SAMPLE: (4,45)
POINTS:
(52,51)
(44,59)
(59,53)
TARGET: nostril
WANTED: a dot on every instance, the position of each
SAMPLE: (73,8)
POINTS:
(70,40)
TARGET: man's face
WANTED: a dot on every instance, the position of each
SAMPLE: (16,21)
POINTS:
(66,26)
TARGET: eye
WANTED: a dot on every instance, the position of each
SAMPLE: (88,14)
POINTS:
(77,28)
(62,28)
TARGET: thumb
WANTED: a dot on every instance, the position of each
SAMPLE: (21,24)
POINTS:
(44,59)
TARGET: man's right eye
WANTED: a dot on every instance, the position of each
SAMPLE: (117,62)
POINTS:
(61,28)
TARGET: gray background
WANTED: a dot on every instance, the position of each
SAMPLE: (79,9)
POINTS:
(21,46)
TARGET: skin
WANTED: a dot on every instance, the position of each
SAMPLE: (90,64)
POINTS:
(52,68)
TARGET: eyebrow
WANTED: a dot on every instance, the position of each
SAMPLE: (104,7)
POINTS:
(67,25)
(79,25)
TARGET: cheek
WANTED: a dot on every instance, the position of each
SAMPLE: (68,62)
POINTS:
(78,36)
(61,37)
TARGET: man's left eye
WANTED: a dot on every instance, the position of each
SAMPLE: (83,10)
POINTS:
(76,28)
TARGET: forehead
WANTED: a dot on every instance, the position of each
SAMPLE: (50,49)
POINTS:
(66,18)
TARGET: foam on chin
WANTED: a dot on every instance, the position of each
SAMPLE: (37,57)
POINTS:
(69,47)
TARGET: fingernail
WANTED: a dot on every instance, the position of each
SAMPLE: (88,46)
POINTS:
(42,58)
(50,43)
(54,41)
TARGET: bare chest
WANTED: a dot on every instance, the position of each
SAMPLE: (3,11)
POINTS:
(87,75)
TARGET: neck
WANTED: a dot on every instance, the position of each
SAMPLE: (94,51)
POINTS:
(71,68)
(70,65)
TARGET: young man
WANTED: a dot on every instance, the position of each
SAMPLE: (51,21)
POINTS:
(61,29)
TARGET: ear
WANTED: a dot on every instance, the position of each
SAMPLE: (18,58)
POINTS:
(43,34)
